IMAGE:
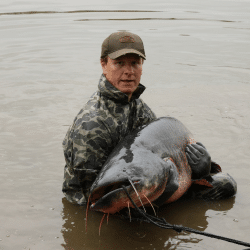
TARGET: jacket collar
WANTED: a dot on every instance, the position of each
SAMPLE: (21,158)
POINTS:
(111,92)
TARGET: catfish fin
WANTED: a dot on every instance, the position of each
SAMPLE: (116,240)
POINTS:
(215,168)
(171,186)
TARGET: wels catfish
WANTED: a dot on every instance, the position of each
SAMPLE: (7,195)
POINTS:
(151,163)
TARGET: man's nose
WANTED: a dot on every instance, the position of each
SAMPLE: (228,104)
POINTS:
(128,68)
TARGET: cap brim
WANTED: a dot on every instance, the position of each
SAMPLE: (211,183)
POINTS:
(123,52)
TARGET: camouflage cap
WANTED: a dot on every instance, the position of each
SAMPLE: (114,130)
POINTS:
(121,43)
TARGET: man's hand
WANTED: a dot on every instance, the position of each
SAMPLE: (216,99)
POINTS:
(199,160)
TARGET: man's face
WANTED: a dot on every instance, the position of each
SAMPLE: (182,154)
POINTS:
(123,72)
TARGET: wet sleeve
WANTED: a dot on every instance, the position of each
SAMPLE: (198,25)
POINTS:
(86,148)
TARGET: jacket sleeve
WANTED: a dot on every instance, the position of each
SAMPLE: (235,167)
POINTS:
(86,147)
(151,114)
(143,115)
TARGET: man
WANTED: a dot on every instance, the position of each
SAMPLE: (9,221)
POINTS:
(113,112)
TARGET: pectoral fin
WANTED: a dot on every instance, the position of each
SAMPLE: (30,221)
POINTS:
(171,186)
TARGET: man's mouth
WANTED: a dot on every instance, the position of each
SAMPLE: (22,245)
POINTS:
(127,81)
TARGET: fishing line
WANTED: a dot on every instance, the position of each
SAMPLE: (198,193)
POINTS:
(161,222)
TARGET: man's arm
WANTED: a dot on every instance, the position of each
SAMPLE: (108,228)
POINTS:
(72,188)
(86,147)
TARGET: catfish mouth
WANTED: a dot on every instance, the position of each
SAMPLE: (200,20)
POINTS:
(103,192)
(112,198)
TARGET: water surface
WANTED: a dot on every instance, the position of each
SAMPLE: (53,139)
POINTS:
(197,70)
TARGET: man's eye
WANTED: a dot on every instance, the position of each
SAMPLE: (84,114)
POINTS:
(135,63)
(119,63)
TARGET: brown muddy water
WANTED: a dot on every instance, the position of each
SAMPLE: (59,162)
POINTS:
(197,70)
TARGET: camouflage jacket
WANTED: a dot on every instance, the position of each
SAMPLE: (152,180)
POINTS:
(103,121)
